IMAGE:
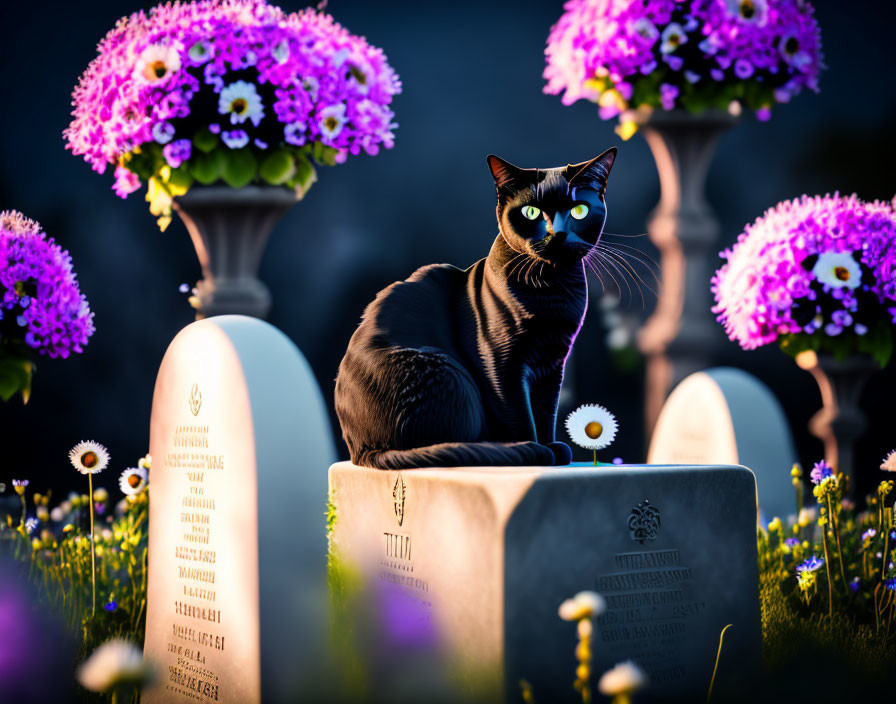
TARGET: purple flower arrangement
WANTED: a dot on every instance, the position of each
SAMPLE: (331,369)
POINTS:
(813,273)
(42,310)
(233,91)
(689,54)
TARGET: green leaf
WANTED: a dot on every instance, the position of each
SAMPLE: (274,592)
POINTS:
(180,179)
(239,167)
(205,141)
(206,168)
(278,167)
(305,176)
(15,375)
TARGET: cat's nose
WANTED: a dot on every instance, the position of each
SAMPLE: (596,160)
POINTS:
(558,225)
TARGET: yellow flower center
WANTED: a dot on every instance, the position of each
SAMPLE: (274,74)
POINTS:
(239,106)
(674,39)
(155,71)
(331,123)
(842,273)
(594,429)
(89,459)
(134,480)
(747,9)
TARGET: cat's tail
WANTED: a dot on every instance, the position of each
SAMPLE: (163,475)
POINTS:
(462,454)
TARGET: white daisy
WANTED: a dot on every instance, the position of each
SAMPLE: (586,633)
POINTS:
(748,11)
(133,480)
(625,678)
(114,663)
(157,62)
(331,120)
(89,457)
(591,427)
(838,270)
(241,101)
(582,605)
(889,464)
(673,37)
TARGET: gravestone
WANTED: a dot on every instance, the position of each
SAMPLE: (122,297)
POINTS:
(727,416)
(237,552)
(486,555)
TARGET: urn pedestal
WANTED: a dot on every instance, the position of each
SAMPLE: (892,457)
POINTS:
(840,421)
(680,336)
(230,228)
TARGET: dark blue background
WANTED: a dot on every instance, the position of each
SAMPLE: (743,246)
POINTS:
(472,85)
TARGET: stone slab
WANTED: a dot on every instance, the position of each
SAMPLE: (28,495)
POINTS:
(490,553)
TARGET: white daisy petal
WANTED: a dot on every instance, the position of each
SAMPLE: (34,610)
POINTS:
(133,480)
(156,63)
(89,457)
(241,101)
(591,427)
(838,270)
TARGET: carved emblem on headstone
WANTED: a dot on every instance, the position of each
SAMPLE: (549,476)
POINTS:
(195,400)
(644,522)
(399,492)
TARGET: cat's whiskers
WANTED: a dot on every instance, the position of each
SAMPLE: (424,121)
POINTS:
(624,257)
(610,261)
(633,252)
(599,262)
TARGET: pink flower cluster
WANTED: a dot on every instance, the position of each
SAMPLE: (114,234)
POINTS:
(245,70)
(810,265)
(40,302)
(682,53)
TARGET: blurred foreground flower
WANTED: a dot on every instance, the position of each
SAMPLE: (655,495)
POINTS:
(583,608)
(115,664)
(622,681)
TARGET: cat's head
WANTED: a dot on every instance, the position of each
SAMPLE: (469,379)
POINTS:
(555,215)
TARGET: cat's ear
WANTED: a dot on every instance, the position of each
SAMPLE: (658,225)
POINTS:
(595,171)
(508,178)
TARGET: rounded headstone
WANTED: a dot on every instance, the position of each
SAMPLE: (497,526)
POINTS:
(236,602)
(727,416)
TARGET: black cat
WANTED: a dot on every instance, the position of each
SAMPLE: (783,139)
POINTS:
(453,367)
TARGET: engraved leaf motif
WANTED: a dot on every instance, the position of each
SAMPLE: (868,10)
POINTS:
(195,399)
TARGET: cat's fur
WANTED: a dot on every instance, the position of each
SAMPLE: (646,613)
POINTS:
(453,367)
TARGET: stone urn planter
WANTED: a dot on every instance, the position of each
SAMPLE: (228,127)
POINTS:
(230,228)
(840,421)
(679,337)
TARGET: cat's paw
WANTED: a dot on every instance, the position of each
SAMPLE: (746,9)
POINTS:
(562,453)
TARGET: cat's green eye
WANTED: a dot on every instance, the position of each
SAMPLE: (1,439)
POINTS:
(530,212)
(579,211)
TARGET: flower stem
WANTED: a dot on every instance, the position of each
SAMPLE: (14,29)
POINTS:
(92,548)
(835,526)
(595,458)
(716,668)
(827,568)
